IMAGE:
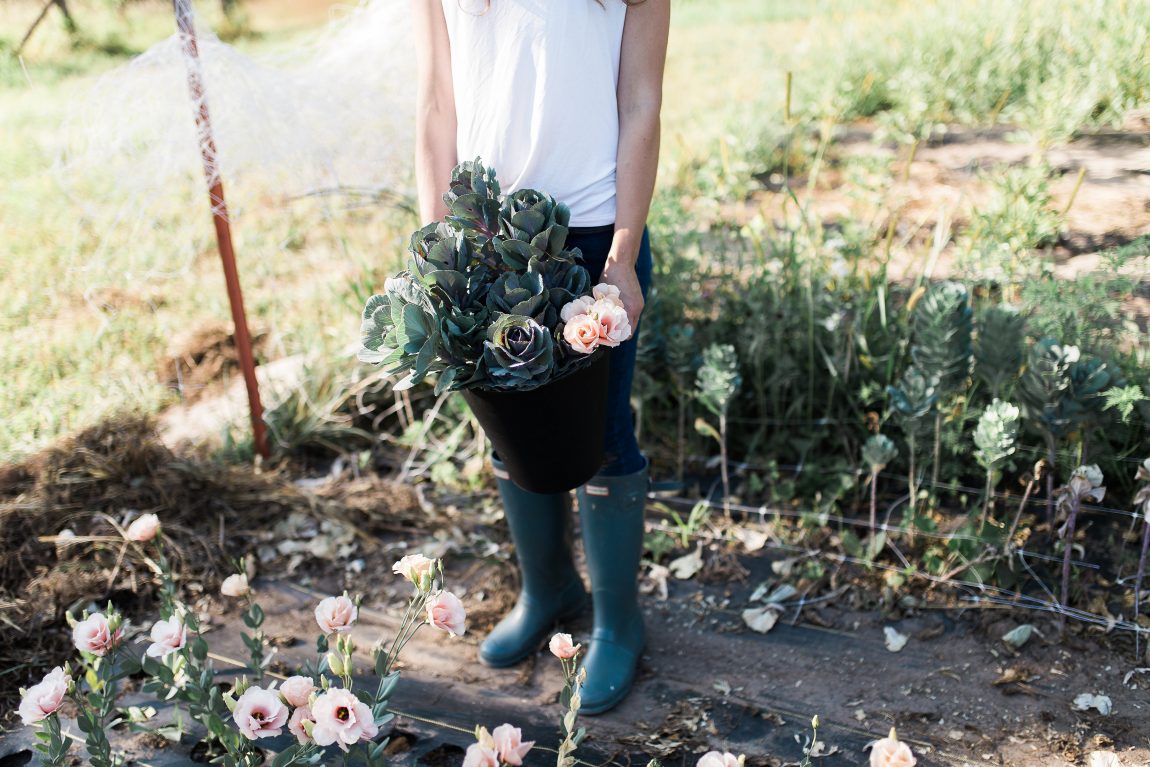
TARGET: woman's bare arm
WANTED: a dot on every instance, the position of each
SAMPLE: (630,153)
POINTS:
(640,97)
(435,125)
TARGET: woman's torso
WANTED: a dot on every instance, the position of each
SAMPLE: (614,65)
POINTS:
(534,85)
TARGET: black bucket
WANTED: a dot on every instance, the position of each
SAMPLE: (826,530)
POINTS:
(551,438)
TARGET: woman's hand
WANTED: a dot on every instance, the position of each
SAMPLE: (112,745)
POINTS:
(621,274)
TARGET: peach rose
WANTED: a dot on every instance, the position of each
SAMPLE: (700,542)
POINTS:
(295,724)
(614,327)
(167,637)
(42,700)
(575,308)
(562,647)
(336,614)
(718,759)
(143,528)
(235,585)
(889,752)
(582,333)
(606,292)
(296,690)
(341,718)
(445,612)
(509,744)
(414,567)
(479,755)
(260,713)
(94,635)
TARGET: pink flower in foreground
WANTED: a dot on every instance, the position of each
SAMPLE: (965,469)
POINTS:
(42,700)
(143,528)
(479,755)
(93,635)
(562,647)
(260,713)
(295,724)
(296,690)
(575,308)
(509,744)
(718,759)
(414,567)
(167,637)
(341,718)
(582,333)
(614,327)
(889,752)
(336,614)
(445,612)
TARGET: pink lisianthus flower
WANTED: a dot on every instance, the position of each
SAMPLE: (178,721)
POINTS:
(445,612)
(93,635)
(718,759)
(562,647)
(296,690)
(341,718)
(260,713)
(336,614)
(614,327)
(167,637)
(143,528)
(42,700)
(579,306)
(582,333)
(479,755)
(509,744)
(606,292)
(296,724)
(890,752)
(414,567)
(235,585)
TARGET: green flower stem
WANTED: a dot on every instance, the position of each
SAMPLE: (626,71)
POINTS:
(55,748)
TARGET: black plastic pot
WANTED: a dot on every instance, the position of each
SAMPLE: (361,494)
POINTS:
(549,438)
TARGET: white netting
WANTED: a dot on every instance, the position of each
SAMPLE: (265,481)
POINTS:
(335,113)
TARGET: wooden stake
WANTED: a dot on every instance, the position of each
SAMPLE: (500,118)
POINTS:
(243,340)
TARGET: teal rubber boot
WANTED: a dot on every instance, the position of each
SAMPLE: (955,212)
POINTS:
(551,590)
(611,514)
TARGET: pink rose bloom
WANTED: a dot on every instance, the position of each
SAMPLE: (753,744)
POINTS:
(295,724)
(235,585)
(582,333)
(42,700)
(296,690)
(718,759)
(445,612)
(575,308)
(93,635)
(889,752)
(509,744)
(167,637)
(336,614)
(614,327)
(143,528)
(413,567)
(479,755)
(341,718)
(260,713)
(606,292)
(562,647)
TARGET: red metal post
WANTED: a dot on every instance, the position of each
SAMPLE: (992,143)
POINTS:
(243,340)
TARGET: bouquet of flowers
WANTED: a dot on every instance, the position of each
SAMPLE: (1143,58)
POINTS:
(492,299)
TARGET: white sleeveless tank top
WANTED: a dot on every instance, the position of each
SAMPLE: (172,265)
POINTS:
(534,84)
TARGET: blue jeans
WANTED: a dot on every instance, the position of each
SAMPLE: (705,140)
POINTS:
(621,455)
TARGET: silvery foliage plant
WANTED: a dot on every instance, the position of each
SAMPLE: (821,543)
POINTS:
(479,305)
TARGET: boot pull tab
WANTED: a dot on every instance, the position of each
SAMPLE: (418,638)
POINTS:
(601,491)
(500,473)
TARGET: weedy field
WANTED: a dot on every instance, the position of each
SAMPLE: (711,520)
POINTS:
(893,373)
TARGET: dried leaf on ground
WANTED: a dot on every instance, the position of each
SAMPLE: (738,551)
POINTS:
(893,639)
(761,619)
(688,565)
